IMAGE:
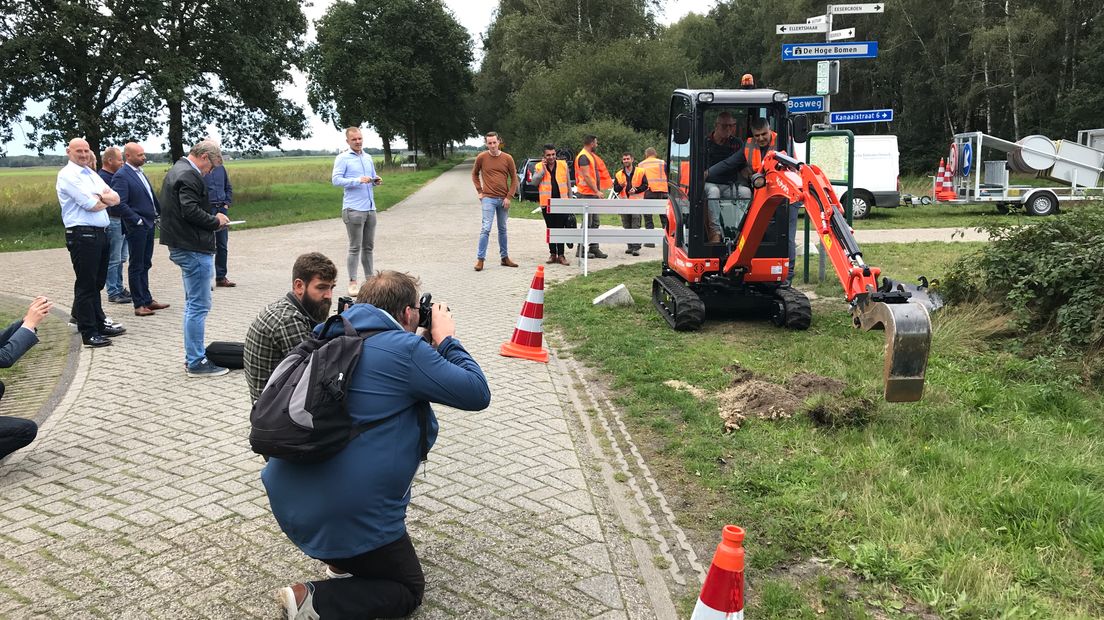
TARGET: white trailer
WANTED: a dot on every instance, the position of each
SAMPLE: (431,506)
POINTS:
(1077,167)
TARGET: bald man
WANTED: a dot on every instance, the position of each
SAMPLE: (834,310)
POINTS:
(84,199)
(117,293)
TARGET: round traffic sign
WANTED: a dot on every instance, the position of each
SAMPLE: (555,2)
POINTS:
(967,159)
(952,159)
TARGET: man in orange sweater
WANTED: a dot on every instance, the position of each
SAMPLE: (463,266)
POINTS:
(495,179)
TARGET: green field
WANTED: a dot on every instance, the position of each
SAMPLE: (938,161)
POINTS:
(267,192)
(984,500)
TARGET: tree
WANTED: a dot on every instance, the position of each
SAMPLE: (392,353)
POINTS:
(401,66)
(114,71)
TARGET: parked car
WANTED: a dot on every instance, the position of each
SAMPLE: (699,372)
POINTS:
(526,190)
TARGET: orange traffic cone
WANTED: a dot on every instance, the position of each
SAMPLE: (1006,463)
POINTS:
(722,594)
(948,186)
(943,190)
(526,341)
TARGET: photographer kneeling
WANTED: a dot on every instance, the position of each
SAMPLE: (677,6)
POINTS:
(350,510)
(17,339)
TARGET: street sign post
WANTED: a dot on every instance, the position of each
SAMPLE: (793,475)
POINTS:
(800,28)
(839,35)
(860,116)
(802,105)
(829,51)
(854,9)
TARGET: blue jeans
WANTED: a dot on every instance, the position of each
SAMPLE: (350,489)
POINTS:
(119,255)
(197,269)
(492,208)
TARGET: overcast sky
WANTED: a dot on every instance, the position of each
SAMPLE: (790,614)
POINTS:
(475,15)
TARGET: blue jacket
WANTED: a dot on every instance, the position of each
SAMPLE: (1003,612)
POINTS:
(219,189)
(134,201)
(356,501)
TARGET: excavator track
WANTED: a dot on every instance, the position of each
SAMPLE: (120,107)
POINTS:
(795,311)
(677,304)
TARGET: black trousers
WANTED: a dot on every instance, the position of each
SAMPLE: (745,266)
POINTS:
(555,220)
(89,250)
(387,583)
(15,433)
(222,240)
(140,239)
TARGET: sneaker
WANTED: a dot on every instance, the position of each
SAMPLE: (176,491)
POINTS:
(96,342)
(121,298)
(634,252)
(354,288)
(110,322)
(112,330)
(596,253)
(294,610)
(332,574)
(204,368)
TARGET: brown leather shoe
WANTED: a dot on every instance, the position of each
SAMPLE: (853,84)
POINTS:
(156,305)
(552,259)
(224,282)
(506,262)
(479,265)
(562,260)
(143,311)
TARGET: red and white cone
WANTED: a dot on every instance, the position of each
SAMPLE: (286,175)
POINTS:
(528,337)
(722,595)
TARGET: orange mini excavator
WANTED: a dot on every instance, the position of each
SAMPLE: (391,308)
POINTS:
(725,252)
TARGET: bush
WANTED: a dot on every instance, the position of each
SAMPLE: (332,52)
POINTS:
(1049,272)
(614,138)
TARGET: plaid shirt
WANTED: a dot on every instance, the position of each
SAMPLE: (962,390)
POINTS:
(274,333)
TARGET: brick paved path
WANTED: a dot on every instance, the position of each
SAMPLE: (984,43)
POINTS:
(141,498)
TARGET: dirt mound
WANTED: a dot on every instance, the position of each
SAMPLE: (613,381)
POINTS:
(805,384)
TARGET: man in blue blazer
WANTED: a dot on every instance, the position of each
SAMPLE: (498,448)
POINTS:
(138,209)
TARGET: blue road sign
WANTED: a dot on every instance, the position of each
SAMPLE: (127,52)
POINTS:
(829,51)
(800,105)
(967,159)
(860,116)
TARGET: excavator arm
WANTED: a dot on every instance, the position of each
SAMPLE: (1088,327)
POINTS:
(890,307)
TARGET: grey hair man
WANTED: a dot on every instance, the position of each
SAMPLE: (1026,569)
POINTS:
(188,229)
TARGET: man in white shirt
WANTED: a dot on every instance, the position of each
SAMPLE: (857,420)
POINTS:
(84,198)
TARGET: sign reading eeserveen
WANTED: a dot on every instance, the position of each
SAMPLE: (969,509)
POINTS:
(829,51)
(801,105)
(860,116)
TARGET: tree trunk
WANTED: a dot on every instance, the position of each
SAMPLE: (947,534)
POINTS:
(988,96)
(386,150)
(176,127)
(1012,72)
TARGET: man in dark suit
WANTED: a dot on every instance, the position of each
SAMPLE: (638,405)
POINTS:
(138,209)
(188,228)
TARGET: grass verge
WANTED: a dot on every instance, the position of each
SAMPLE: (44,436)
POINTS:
(986,499)
(266,193)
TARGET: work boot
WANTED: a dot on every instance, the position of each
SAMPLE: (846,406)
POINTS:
(479,264)
(506,262)
(595,252)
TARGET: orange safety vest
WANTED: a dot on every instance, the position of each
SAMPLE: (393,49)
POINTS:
(603,176)
(546,182)
(655,171)
(752,154)
(625,182)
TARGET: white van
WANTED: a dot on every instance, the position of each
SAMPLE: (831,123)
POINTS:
(876,179)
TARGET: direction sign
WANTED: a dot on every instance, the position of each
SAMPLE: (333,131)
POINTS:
(823,86)
(829,51)
(817,19)
(801,105)
(839,35)
(967,159)
(800,28)
(852,9)
(860,116)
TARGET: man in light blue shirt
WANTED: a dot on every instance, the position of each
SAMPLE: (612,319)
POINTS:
(84,198)
(354,171)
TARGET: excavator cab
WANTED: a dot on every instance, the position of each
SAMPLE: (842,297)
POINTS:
(727,245)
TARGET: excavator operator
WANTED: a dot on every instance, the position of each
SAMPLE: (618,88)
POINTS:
(738,169)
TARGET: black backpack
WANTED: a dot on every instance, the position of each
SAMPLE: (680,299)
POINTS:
(302,415)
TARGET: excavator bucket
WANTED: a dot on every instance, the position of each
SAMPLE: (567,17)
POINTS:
(908,341)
